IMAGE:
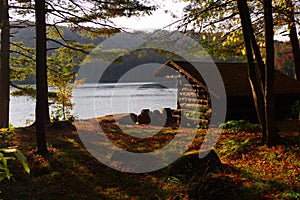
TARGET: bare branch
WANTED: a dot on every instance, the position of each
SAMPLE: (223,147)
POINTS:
(221,20)
(22,54)
(196,14)
(67,46)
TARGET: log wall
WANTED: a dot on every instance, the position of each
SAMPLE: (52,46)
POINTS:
(194,101)
(238,107)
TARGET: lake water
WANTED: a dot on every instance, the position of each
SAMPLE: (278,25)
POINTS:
(95,100)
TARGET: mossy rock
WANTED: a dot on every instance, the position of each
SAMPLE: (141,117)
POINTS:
(190,164)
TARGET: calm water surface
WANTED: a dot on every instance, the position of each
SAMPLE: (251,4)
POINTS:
(94,100)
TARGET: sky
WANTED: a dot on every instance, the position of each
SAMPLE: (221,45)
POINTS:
(159,19)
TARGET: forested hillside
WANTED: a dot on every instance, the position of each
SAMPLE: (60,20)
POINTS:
(283,58)
(27,36)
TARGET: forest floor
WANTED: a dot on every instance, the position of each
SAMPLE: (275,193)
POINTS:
(249,171)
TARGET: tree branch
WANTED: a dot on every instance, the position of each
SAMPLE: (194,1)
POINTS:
(67,46)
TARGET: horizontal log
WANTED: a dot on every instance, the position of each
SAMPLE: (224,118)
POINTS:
(201,91)
(191,95)
(193,100)
(201,121)
(192,106)
(193,85)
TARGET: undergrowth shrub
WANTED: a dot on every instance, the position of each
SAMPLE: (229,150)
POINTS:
(240,125)
(9,153)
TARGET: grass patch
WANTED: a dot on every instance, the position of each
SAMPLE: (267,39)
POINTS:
(240,125)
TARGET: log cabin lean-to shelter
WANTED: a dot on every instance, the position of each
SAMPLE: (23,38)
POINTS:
(240,104)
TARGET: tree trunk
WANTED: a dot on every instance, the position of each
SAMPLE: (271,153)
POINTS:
(255,79)
(270,109)
(294,39)
(296,49)
(42,108)
(4,68)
